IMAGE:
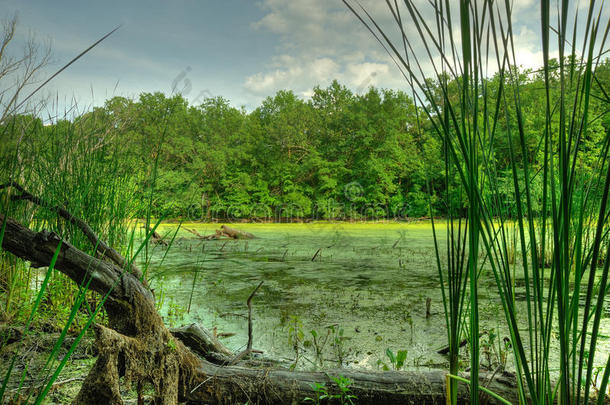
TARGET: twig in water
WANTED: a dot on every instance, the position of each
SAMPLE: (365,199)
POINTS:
(231,314)
(316,255)
(249,346)
(194,232)
(249,303)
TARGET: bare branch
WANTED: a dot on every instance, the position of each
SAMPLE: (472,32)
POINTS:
(9,33)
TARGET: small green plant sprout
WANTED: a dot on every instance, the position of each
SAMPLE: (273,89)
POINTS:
(320,393)
(397,361)
(344,396)
(296,338)
(171,345)
(338,344)
(175,312)
(318,343)
(494,350)
(409,320)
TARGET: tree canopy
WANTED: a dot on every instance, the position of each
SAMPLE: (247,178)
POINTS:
(337,155)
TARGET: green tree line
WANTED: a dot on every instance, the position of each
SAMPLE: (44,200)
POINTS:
(337,155)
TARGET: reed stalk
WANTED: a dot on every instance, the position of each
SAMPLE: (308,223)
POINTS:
(558,207)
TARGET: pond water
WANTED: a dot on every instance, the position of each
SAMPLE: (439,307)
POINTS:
(362,289)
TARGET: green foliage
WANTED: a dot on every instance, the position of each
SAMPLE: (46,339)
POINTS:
(329,345)
(288,158)
(338,344)
(338,155)
(318,343)
(344,396)
(530,146)
(397,361)
(494,350)
(296,337)
(319,392)
(322,393)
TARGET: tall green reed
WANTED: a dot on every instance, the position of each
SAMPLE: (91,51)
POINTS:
(453,274)
(565,215)
(73,165)
(76,163)
(76,168)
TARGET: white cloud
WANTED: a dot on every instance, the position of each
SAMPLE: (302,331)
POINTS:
(324,68)
(301,75)
(321,41)
(266,83)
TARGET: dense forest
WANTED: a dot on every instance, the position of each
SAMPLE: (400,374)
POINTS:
(338,155)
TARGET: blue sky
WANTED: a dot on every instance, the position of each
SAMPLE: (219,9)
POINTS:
(241,50)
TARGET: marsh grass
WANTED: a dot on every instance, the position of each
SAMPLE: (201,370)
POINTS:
(560,206)
(78,164)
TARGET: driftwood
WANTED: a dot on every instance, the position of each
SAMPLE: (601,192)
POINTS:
(225,232)
(217,235)
(205,344)
(136,345)
(235,233)
(420,386)
(200,340)
(194,232)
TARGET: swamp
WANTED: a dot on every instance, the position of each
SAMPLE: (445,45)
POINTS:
(327,202)
(369,280)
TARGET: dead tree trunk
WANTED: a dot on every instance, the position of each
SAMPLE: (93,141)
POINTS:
(136,345)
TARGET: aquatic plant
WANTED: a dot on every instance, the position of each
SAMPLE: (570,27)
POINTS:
(397,361)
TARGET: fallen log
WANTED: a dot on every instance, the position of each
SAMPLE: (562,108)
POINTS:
(102,249)
(194,232)
(225,232)
(200,340)
(206,237)
(232,385)
(235,233)
(137,346)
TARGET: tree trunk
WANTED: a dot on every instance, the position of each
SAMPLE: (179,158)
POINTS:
(136,345)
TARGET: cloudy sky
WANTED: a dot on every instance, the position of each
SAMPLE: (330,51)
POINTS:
(243,50)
